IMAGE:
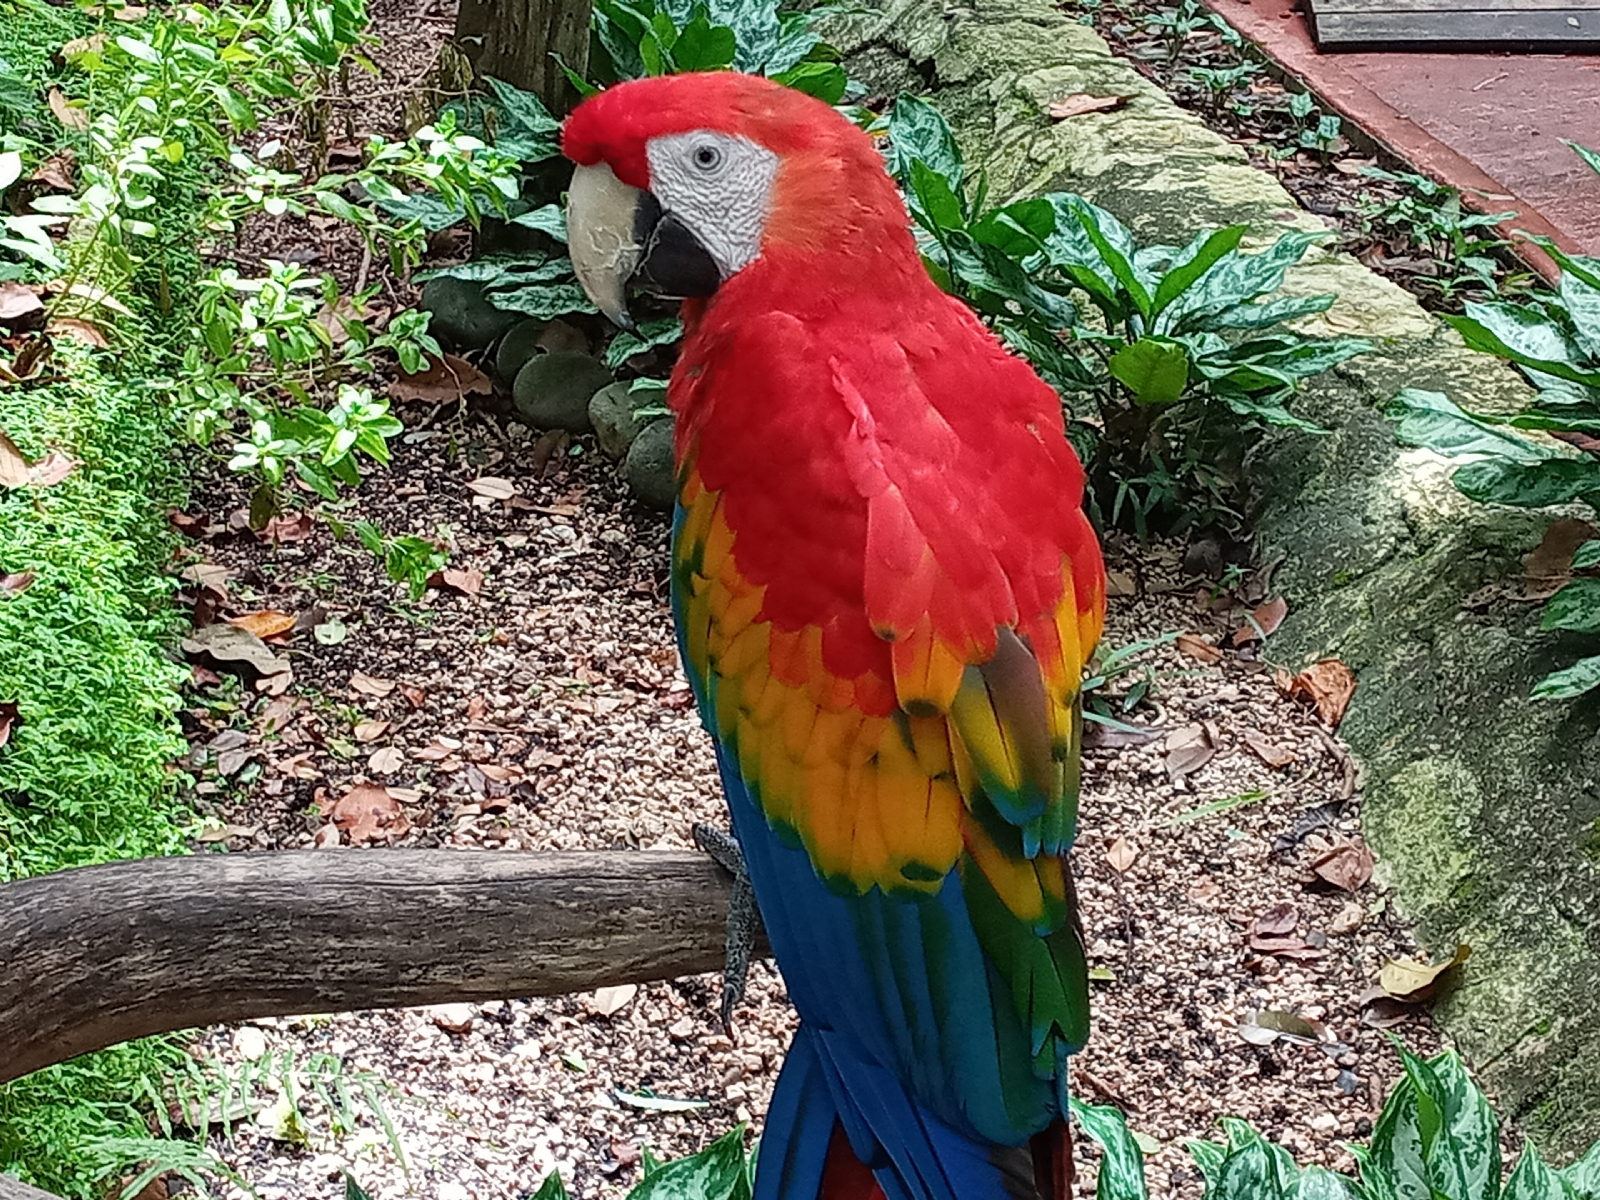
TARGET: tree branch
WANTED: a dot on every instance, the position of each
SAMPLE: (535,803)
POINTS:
(100,955)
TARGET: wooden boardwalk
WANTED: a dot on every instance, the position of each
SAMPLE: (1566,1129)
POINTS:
(1548,25)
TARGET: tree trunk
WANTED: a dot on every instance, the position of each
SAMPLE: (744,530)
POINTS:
(99,955)
(515,40)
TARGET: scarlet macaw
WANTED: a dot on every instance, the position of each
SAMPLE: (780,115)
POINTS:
(885,590)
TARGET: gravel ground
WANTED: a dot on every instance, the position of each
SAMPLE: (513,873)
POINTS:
(532,700)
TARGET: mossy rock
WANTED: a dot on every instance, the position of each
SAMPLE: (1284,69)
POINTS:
(520,343)
(552,391)
(460,317)
(614,413)
(649,467)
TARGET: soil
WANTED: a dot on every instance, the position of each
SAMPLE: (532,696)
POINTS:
(531,699)
(1330,179)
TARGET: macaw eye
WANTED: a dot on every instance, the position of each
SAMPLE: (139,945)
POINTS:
(707,157)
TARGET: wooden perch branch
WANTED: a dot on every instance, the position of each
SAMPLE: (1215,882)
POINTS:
(100,955)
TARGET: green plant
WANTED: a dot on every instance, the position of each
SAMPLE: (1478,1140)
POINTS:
(1430,215)
(1554,340)
(1110,664)
(1179,361)
(721,1171)
(408,559)
(1178,24)
(1220,83)
(1319,131)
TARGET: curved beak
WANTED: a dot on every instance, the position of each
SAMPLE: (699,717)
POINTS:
(617,234)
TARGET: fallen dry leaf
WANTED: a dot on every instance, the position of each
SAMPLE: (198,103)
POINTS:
(13,467)
(1264,1028)
(466,580)
(9,716)
(438,750)
(1263,622)
(19,304)
(227,643)
(1079,103)
(448,378)
(51,469)
(327,837)
(266,623)
(414,696)
(1348,919)
(56,171)
(1121,855)
(92,44)
(1189,749)
(370,685)
(287,527)
(1197,648)
(1329,685)
(69,115)
(1347,865)
(1268,752)
(454,1018)
(276,714)
(1412,980)
(213,577)
(1120,583)
(609,1000)
(367,813)
(370,731)
(85,333)
(492,486)
(1276,921)
(1548,566)
(386,760)
(17,583)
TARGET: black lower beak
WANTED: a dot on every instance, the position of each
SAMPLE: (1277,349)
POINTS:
(675,263)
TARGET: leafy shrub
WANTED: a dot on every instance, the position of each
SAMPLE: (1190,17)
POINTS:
(1554,340)
(1182,360)
(1461,244)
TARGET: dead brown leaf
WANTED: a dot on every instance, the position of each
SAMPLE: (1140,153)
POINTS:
(1121,855)
(1189,749)
(55,172)
(1263,622)
(492,487)
(466,580)
(267,623)
(607,1001)
(9,716)
(68,114)
(213,577)
(1120,583)
(1329,685)
(51,469)
(370,685)
(367,813)
(1268,752)
(441,381)
(386,760)
(13,467)
(370,731)
(287,527)
(92,44)
(1347,865)
(414,696)
(277,714)
(1079,103)
(1547,567)
(1197,648)
(75,329)
(1277,921)
(1413,980)
(17,583)
(225,643)
(438,750)
(19,305)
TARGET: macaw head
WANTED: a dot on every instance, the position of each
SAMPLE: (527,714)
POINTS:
(684,181)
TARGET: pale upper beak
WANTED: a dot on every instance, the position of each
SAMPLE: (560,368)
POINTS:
(617,234)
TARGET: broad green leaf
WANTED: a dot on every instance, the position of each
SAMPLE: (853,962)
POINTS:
(1018,230)
(1296,357)
(1208,1156)
(552,1188)
(703,46)
(755,27)
(1592,157)
(1392,1167)
(1586,556)
(1122,1162)
(1273,312)
(917,131)
(353,1190)
(1069,244)
(647,336)
(1267,409)
(1576,606)
(653,1103)
(937,207)
(826,81)
(522,114)
(1239,278)
(1528,485)
(1526,337)
(1460,1135)
(1434,421)
(1156,372)
(549,219)
(1319,1183)
(712,1174)
(1582,676)
(1114,243)
(1194,261)
(1534,1180)
(1249,1173)
(1584,1175)
(1582,302)
(993,278)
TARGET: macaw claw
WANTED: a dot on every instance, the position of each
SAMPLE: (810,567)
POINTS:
(744,919)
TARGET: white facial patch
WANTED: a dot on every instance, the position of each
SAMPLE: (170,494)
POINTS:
(719,186)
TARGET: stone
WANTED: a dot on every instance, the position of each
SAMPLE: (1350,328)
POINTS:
(520,343)
(461,319)
(552,391)
(614,413)
(649,468)
(1479,803)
